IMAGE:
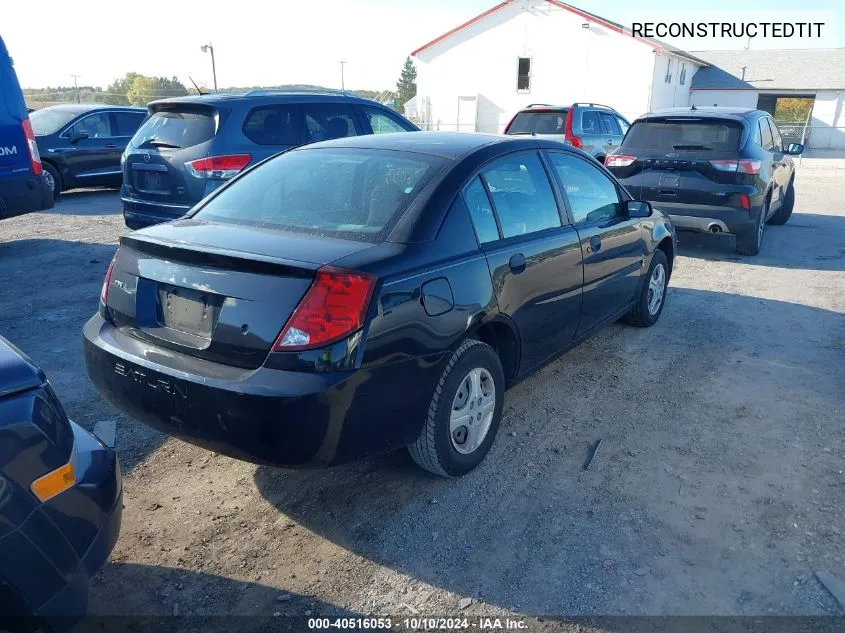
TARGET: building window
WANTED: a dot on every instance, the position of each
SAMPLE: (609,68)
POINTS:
(668,77)
(523,75)
(683,78)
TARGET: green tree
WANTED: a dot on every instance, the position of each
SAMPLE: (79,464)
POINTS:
(407,84)
(142,90)
(137,89)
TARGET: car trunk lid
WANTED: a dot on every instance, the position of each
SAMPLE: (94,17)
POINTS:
(214,291)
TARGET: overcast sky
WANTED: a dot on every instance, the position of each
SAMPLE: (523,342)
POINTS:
(266,42)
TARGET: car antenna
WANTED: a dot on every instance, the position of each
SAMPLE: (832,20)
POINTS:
(196,86)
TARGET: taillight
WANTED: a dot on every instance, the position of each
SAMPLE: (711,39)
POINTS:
(104,293)
(741,166)
(568,134)
(618,160)
(332,309)
(32,146)
(221,167)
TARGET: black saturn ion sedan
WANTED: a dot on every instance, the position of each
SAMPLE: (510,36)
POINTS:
(358,295)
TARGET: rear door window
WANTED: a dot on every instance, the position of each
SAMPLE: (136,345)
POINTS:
(766,141)
(777,141)
(590,123)
(382,122)
(175,129)
(592,195)
(522,195)
(672,135)
(611,125)
(481,212)
(274,125)
(127,123)
(324,121)
(538,123)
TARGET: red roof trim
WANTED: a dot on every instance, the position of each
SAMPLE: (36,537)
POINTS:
(481,16)
(560,5)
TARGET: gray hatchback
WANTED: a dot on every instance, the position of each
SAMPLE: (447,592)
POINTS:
(594,128)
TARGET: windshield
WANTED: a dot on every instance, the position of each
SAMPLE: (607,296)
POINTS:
(50,120)
(175,129)
(695,135)
(538,123)
(346,193)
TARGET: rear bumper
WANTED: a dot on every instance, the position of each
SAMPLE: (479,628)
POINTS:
(267,416)
(24,195)
(49,560)
(687,217)
(140,213)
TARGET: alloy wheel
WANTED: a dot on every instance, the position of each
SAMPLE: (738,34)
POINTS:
(656,289)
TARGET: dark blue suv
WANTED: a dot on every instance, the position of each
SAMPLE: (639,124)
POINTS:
(23,184)
(190,146)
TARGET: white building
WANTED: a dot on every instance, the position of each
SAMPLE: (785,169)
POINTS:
(758,79)
(478,75)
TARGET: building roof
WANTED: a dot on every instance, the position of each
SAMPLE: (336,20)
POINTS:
(784,69)
(591,17)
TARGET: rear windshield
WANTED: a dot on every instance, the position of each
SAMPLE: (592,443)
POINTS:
(697,135)
(50,120)
(538,123)
(173,129)
(353,194)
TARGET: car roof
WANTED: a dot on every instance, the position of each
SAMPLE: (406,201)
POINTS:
(727,112)
(80,108)
(268,96)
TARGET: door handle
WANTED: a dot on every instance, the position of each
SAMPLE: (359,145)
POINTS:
(517,263)
(111,145)
(595,244)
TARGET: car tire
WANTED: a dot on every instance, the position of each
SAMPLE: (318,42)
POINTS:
(463,393)
(649,306)
(782,215)
(53,179)
(749,242)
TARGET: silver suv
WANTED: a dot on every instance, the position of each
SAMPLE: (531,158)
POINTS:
(596,129)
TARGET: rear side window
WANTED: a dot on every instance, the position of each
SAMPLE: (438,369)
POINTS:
(669,135)
(274,125)
(521,194)
(776,137)
(325,121)
(766,141)
(611,125)
(538,123)
(590,123)
(176,129)
(347,193)
(128,122)
(623,124)
(481,212)
(592,195)
(382,122)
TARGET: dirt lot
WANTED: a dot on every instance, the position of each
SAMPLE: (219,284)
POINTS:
(718,488)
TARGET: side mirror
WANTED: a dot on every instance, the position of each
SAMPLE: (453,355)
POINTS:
(78,136)
(638,208)
(794,149)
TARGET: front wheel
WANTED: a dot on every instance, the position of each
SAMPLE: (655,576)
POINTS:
(652,297)
(464,412)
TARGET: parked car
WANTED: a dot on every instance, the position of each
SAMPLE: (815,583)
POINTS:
(363,294)
(594,128)
(81,144)
(23,185)
(191,145)
(60,501)
(718,170)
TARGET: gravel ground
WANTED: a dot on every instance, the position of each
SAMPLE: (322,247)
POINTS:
(718,487)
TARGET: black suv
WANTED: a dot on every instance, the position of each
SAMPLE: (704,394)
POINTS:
(81,145)
(719,170)
(190,146)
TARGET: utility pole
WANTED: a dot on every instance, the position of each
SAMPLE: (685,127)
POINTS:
(210,49)
(342,84)
(76,87)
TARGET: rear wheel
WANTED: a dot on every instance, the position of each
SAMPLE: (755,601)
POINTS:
(749,242)
(652,297)
(782,215)
(464,412)
(53,179)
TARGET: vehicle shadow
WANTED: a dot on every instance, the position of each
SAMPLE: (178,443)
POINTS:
(141,598)
(530,530)
(49,288)
(808,241)
(87,202)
